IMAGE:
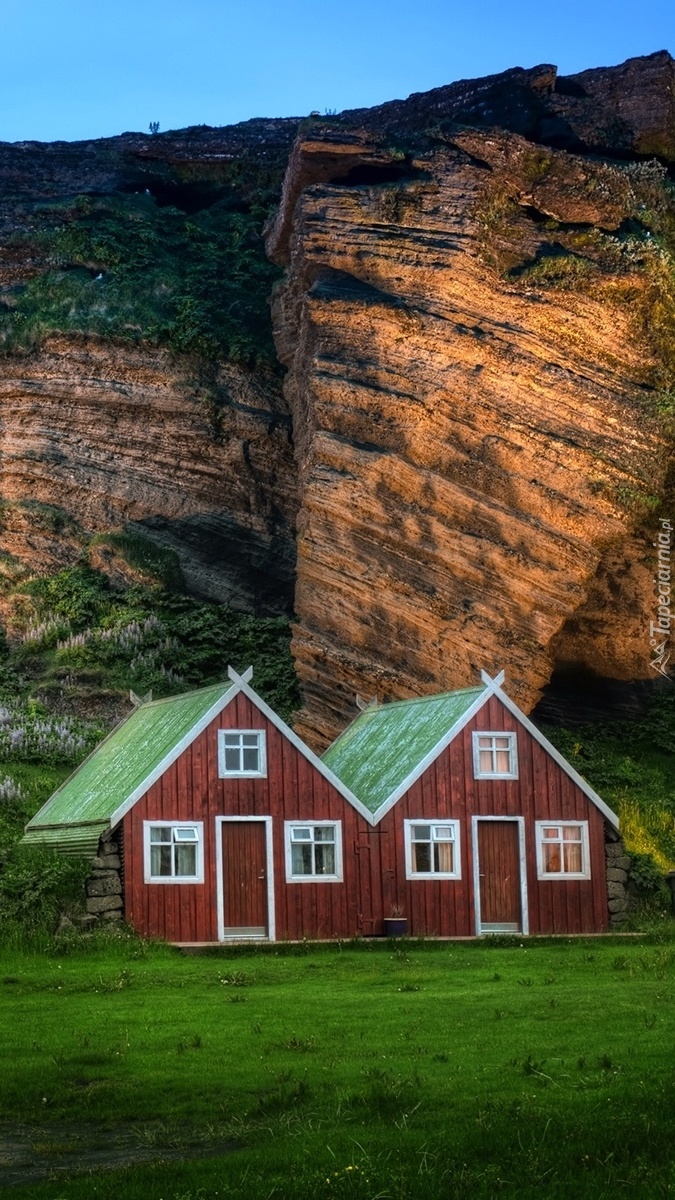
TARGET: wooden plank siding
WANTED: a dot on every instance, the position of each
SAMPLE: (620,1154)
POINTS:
(191,790)
(374,872)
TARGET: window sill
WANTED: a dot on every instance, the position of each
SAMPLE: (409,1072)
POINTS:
(314,879)
(451,875)
(562,876)
(243,775)
(173,879)
(495,775)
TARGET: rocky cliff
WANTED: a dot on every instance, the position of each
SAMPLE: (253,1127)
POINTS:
(474,308)
(97,437)
(124,406)
(473,375)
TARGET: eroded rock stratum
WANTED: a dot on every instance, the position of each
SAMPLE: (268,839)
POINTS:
(139,390)
(475,313)
(472,376)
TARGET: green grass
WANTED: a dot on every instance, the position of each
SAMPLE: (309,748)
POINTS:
(156,562)
(632,766)
(36,889)
(560,270)
(378,1070)
(126,268)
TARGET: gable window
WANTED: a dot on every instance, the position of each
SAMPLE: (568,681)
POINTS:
(432,850)
(495,756)
(313,850)
(241,752)
(173,852)
(562,850)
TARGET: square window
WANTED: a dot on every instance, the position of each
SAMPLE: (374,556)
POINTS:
(241,752)
(432,850)
(173,853)
(314,852)
(495,755)
(562,850)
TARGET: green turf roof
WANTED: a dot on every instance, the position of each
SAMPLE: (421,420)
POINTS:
(382,747)
(122,763)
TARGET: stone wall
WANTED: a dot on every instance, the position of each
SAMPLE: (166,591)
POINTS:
(618,869)
(104,901)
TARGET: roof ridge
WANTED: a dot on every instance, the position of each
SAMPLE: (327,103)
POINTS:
(477,687)
(209,687)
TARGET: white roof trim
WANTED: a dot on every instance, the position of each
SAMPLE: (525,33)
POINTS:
(239,684)
(245,677)
(586,788)
(304,750)
(431,756)
(497,681)
(173,754)
(493,688)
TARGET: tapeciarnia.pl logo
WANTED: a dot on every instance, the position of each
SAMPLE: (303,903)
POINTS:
(659,630)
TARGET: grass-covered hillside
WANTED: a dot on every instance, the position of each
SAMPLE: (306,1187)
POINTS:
(74,646)
(190,274)
(631,764)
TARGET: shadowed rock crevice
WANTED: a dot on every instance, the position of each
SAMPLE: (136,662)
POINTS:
(225,560)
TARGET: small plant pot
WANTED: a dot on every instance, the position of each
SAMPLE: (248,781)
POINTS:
(395,926)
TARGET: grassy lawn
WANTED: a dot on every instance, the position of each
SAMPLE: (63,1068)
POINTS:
(378,1070)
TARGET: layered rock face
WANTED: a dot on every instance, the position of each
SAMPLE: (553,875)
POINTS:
(95,437)
(473,427)
(468,432)
(101,435)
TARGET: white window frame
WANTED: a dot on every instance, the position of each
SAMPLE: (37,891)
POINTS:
(290,877)
(512,773)
(261,773)
(410,872)
(542,873)
(198,877)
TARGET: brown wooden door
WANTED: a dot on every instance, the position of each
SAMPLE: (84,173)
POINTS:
(245,878)
(499,876)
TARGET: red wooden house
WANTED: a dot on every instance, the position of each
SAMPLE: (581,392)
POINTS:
(452,810)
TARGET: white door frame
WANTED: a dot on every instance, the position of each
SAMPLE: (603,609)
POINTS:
(270,936)
(523,872)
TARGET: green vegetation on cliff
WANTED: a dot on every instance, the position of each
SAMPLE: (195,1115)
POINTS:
(74,634)
(123,267)
(632,766)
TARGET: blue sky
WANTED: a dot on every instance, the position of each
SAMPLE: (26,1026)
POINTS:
(79,69)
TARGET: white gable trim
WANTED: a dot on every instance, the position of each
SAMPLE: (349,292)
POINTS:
(245,677)
(173,754)
(239,684)
(300,745)
(494,689)
(431,756)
